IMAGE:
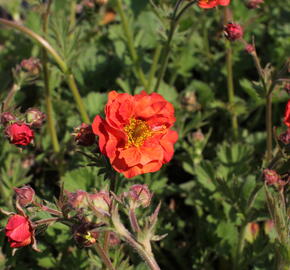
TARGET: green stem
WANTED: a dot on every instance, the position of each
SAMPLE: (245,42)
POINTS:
(10,96)
(59,61)
(104,256)
(231,91)
(153,67)
(165,52)
(77,97)
(130,43)
(48,95)
(269,127)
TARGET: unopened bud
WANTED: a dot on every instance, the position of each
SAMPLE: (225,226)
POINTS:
(108,17)
(77,199)
(252,231)
(114,240)
(271,177)
(269,226)
(140,195)
(198,136)
(24,195)
(7,118)
(233,31)
(35,117)
(189,101)
(101,202)
(253,4)
(84,135)
(285,137)
(31,65)
(249,48)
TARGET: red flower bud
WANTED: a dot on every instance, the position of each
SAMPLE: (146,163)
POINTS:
(233,31)
(253,4)
(24,195)
(84,135)
(19,231)
(252,231)
(271,177)
(6,118)
(35,117)
(31,65)
(249,48)
(287,114)
(140,195)
(19,134)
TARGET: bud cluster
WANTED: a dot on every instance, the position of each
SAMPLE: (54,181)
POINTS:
(20,130)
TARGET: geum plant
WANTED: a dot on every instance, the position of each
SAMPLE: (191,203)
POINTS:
(135,137)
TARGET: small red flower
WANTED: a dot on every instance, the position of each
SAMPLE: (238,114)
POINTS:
(233,31)
(136,134)
(19,231)
(287,114)
(212,3)
(19,134)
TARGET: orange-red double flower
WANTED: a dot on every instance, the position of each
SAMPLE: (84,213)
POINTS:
(212,3)
(136,134)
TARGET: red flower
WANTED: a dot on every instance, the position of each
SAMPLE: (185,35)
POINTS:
(212,3)
(19,134)
(136,134)
(19,231)
(233,31)
(287,114)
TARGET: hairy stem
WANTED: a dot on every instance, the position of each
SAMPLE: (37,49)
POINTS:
(153,67)
(231,90)
(15,87)
(130,43)
(166,50)
(269,127)
(104,256)
(48,95)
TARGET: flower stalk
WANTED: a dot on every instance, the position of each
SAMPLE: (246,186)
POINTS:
(231,90)
(130,43)
(48,94)
(166,50)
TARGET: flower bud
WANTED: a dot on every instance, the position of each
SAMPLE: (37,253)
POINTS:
(233,31)
(140,195)
(252,231)
(249,48)
(101,201)
(269,226)
(24,195)
(285,137)
(31,65)
(35,117)
(271,177)
(114,240)
(19,134)
(253,4)
(198,136)
(189,101)
(109,16)
(85,234)
(84,135)
(6,118)
(77,199)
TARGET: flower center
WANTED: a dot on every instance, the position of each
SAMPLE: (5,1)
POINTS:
(137,131)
